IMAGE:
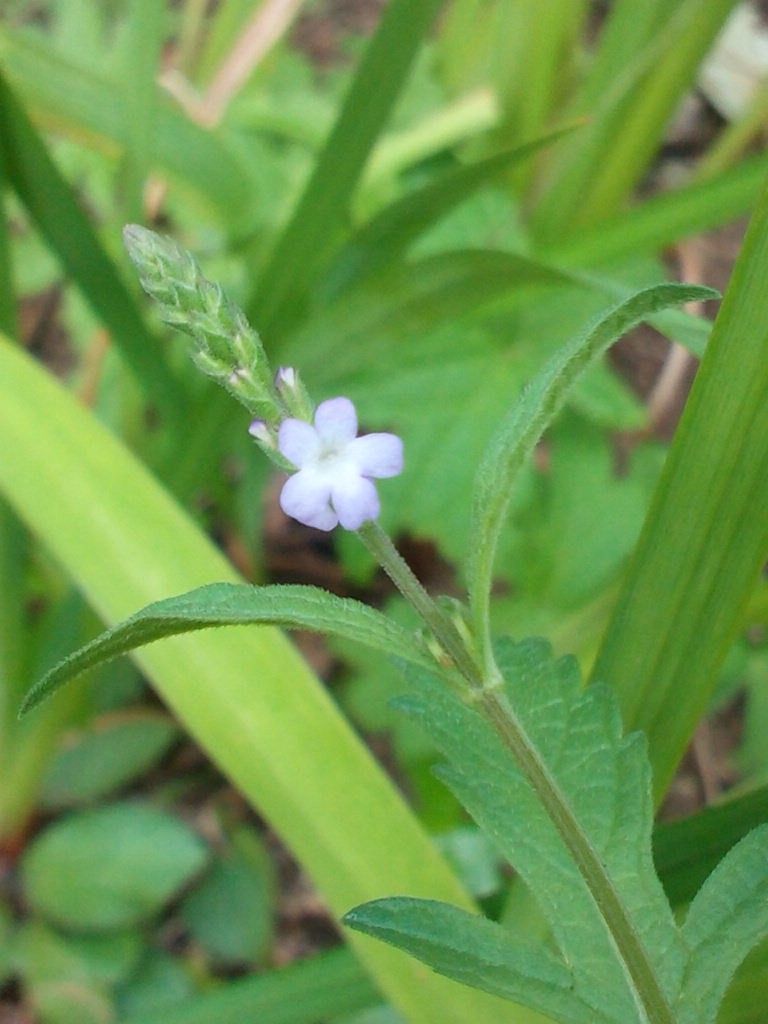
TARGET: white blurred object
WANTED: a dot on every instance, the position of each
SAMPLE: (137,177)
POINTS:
(738,63)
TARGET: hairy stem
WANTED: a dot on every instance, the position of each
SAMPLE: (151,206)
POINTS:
(398,570)
(486,693)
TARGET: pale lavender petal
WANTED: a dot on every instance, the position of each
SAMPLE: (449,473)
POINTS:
(336,421)
(377,455)
(306,496)
(298,441)
(355,500)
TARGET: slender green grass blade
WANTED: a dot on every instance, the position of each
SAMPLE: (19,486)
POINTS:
(595,174)
(688,850)
(319,988)
(8,319)
(387,235)
(323,207)
(67,230)
(664,219)
(253,704)
(706,535)
(91,107)
(141,57)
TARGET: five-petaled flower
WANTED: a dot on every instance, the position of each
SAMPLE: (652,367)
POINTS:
(333,483)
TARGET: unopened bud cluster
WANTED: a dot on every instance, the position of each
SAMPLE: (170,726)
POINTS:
(226,346)
(333,469)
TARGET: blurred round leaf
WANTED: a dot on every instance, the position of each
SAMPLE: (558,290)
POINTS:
(231,913)
(108,755)
(42,954)
(160,982)
(110,867)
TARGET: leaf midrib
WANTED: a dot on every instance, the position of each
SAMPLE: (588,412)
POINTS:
(646,987)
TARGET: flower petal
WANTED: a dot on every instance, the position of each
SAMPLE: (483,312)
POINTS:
(298,441)
(377,455)
(336,421)
(354,499)
(305,496)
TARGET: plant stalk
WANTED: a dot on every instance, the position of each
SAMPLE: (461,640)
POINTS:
(486,694)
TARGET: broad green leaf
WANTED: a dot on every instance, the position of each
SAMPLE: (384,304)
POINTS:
(573,816)
(323,207)
(726,920)
(67,230)
(231,913)
(254,705)
(705,538)
(111,752)
(477,952)
(524,425)
(111,867)
(230,604)
(317,988)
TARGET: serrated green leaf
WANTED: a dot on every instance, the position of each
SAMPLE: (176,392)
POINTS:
(111,867)
(476,952)
(604,782)
(521,430)
(728,917)
(233,604)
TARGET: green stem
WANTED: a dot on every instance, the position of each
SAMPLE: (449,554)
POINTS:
(649,994)
(398,570)
(486,693)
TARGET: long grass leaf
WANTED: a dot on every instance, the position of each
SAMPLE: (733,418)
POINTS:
(323,207)
(706,535)
(51,204)
(91,107)
(252,703)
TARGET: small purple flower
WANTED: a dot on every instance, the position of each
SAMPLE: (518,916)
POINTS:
(333,482)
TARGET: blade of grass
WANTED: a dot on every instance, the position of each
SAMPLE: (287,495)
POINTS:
(145,36)
(664,219)
(319,988)
(597,172)
(251,702)
(387,235)
(91,108)
(322,209)
(68,232)
(706,535)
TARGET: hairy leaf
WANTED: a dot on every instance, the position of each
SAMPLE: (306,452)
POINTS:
(475,951)
(604,780)
(524,425)
(232,604)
